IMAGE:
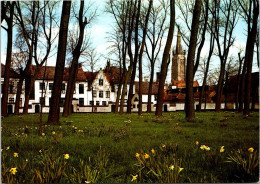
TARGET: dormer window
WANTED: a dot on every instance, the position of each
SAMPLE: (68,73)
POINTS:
(101,82)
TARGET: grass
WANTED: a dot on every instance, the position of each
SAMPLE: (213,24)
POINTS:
(108,145)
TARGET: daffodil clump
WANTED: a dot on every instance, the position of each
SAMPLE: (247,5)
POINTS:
(203,147)
(13,171)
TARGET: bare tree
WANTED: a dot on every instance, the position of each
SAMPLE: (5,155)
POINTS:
(189,100)
(121,13)
(225,19)
(91,62)
(155,32)
(140,110)
(202,93)
(31,31)
(9,20)
(250,13)
(165,64)
(74,64)
(59,70)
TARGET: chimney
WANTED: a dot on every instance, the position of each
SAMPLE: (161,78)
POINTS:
(108,65)
(157,76)
(80,65)
(146,79)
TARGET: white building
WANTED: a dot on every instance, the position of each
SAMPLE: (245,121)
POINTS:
(94,92)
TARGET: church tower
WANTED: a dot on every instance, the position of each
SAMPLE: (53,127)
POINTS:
(178,62)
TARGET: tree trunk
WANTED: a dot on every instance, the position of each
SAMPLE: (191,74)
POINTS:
(67,110)
(130,94)
(242,89)
(149,108)
(238,81)
(140,110)
(9,21)
(164,60)
(226,88)
(220,88)
(189,100)
(59,70)
(202,93)
(249,57)
(18,94)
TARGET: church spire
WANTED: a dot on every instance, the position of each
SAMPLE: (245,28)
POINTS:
(178,44)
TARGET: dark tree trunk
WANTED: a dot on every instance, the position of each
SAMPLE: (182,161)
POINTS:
(238,80)
(67,110)
(202,38)
(140,110)
(189,100)
(251,37)
(130,95)
(220,88)
(202,93)
(18,94)
(242,89)
(59,70)
(166,52)
(149,108)
(9,21)
(226,88)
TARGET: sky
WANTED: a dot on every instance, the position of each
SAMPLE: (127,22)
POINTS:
(103,24)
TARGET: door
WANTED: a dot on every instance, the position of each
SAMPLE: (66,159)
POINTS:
(10,109)
(165,108)
(37,108)
(113,108)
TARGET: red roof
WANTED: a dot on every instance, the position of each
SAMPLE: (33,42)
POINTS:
(145,88)
(13,74)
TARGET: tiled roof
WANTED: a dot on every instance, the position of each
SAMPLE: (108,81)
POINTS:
(13,74)
(182,84)
(145,86)
(50,72)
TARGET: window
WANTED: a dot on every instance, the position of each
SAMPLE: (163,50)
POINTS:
(155,97)
(108,94)
(62,100)
(101,82)
(126,93)
(63,88)
(81,101)
(49,101)
(104,103)
(100,94)
(11,88)
(2,83)
(42,101)
(91,102)
(11,100)
(81,88)
(42,86)
(50,86)
(21,102)
(97,103)
(94,93)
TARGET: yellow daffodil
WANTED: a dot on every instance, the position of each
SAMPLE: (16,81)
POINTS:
(153,151)
(171,167)
(134,178)
(146,156)
(8,147)
(43,134)
(16,154)
(75,128)
(251,150)
(202,147)
(66,156)
(87,181)
(222,149)
(53,133)
(13,170)
(207,148)
(164,146)
(180,169)
(45,125)
(197,142)
(40,151)
(137,155)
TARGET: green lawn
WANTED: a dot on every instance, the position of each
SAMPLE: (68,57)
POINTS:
(102,147)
